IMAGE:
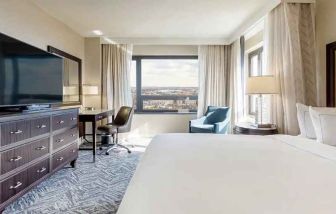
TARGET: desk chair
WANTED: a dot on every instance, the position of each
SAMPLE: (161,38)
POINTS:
(121,124)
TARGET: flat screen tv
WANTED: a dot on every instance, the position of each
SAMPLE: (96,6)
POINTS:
(28,75)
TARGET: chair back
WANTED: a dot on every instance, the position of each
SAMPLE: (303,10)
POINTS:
(124,118)
(216,114)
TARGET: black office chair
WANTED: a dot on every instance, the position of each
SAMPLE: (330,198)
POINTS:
(121,124)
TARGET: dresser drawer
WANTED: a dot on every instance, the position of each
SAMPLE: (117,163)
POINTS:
(13,185)
(24,154)
(63,156)
(59,158)
(64,120)
(73,119)
(39,126)
(39,148)
(38,171)
(59,122)
(65,138)
(73,151)
(14,131)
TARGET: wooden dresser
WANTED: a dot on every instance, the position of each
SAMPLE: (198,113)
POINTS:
(32,147)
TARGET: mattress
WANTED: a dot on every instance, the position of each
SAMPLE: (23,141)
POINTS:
(233,174)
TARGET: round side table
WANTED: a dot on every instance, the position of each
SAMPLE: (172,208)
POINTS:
(249,129)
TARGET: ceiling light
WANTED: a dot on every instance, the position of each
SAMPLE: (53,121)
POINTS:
(97,32)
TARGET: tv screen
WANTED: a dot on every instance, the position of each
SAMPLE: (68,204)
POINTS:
(28,75)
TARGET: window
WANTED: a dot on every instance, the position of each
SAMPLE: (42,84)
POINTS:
(165,83)
(254,69)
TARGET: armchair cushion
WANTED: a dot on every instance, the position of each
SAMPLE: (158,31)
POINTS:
(218,115)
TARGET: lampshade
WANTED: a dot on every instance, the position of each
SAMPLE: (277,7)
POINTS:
(262,85)
(90,90)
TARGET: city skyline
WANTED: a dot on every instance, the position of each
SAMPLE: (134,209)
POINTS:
(167,73)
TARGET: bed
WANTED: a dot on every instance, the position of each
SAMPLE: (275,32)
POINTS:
(233,174)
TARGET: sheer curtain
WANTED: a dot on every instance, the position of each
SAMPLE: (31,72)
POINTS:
(116,69)
(290,56)
(236,84)
(214,76)
(221,79)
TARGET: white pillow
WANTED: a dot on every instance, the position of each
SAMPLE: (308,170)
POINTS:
(305,123)
(324,121)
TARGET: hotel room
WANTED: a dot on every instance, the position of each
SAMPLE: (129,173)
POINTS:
(167,107)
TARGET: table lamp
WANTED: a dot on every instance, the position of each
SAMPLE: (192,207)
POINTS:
(90,90)
(260,85)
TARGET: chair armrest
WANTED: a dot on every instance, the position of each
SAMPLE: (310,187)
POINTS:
(198,121)
(223,127)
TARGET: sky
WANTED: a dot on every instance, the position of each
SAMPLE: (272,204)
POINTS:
(167,73)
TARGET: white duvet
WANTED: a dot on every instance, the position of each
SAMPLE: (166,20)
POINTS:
(233,174)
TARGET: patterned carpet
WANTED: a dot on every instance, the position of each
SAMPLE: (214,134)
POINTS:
(89,188)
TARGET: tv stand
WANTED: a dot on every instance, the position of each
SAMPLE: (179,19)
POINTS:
(34,146)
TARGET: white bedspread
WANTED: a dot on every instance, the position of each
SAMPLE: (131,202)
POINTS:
(233,174)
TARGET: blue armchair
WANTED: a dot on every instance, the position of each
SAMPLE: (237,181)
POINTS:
(216,120)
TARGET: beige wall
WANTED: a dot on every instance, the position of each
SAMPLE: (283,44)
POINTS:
(254,41)
(23,20)
(92,70)
(326,33)
(188,50)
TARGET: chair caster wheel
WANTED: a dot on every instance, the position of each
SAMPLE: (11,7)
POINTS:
(107,153)
(129,152)
(100,148)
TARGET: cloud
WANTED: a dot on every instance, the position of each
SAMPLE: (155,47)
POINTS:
(168,73)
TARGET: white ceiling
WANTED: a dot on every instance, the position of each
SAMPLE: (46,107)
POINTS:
(219,20)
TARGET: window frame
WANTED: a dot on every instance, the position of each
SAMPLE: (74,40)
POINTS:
(258,52)
(140,98)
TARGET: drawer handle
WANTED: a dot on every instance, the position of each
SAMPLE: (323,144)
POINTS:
(60,122)
(73,135)
(41,148)
(41,170)
(15,159)
(74,118)
(17,132)
(60,158)
(18,184)
(41,126)
(59,140)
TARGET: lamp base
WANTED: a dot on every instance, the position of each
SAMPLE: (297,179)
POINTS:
(90,108)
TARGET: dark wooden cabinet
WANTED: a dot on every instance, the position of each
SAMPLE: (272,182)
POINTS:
(32,147)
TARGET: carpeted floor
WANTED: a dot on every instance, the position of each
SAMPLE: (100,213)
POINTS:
(89,188)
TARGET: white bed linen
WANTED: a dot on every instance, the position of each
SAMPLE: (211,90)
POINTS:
(233,174)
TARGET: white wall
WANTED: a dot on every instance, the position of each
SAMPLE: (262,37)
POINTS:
(27,22)
(326,33)
(92,70)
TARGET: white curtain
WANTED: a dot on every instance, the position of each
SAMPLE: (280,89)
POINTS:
(290,56)
(236,84)
(219,66)
(116,69)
